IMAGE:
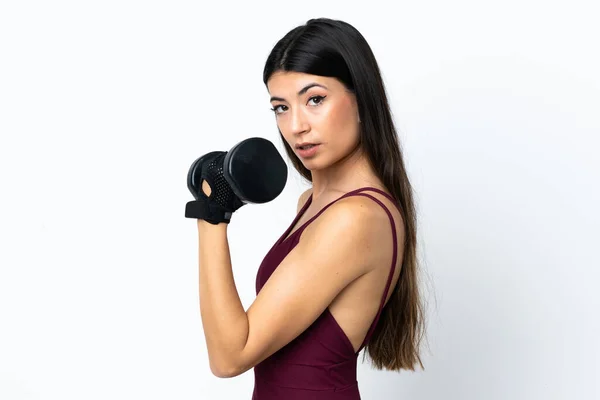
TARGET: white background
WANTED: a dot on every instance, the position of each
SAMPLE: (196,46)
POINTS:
(104,105)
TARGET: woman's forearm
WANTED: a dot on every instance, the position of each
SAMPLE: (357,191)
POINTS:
(224,320)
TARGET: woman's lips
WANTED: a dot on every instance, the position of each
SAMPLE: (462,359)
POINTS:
(308,152)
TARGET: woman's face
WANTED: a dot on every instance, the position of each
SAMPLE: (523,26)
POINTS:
(315,109)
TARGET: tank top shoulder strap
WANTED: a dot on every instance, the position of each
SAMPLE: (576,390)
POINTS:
(350,193)
(284,237)
(358,192)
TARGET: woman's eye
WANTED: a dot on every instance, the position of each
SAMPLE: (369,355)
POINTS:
(320,98)
(276,108)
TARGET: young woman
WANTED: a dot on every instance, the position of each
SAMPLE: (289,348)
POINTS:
(343,276)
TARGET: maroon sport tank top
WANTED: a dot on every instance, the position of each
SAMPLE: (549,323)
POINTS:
(320,363)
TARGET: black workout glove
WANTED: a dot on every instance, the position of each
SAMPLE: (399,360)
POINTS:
(222,201)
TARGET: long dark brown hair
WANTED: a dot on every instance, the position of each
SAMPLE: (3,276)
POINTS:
(334,48)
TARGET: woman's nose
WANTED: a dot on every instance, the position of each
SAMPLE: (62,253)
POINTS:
(298,121)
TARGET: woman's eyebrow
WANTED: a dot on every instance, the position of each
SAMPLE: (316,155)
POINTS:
(302,91)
